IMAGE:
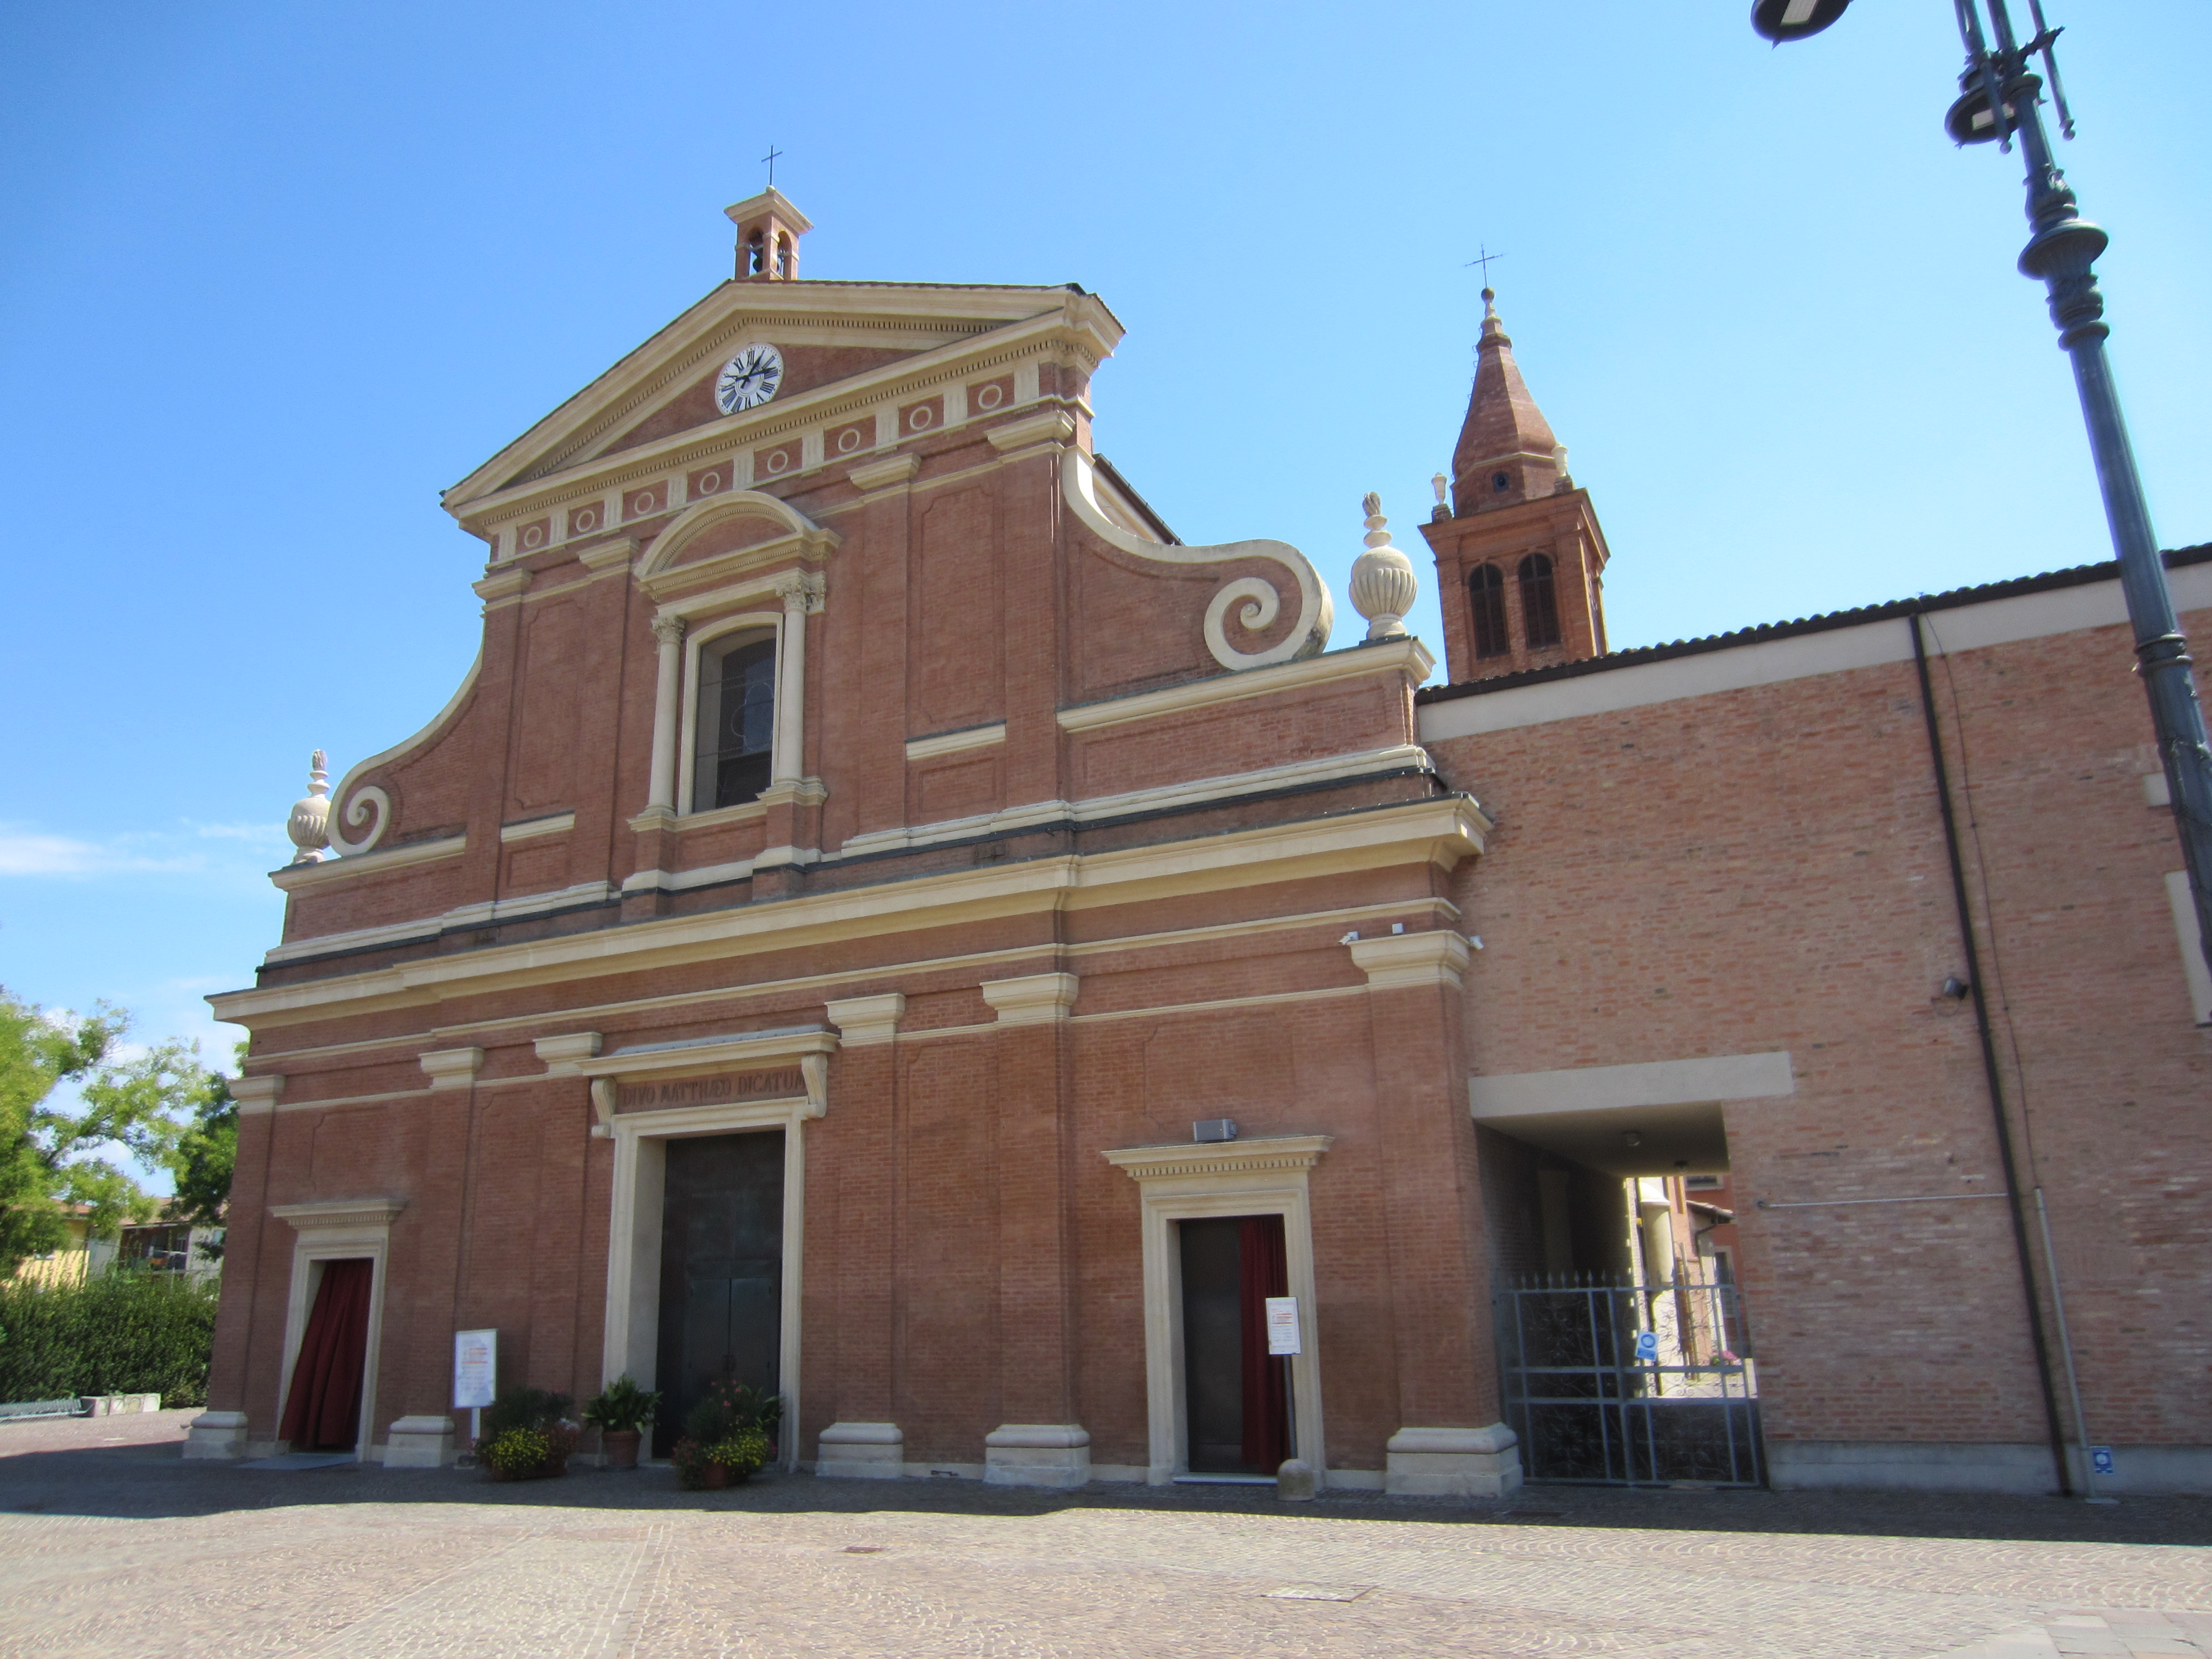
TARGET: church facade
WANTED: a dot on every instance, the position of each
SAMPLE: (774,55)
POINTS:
(884,920)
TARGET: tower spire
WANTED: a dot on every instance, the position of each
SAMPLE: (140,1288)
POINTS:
(1519,558)
(1506,452)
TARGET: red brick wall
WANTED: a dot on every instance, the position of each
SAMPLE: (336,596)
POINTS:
(1764,869)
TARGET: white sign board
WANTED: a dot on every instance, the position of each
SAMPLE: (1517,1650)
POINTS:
(476,1368)
(1283,1325)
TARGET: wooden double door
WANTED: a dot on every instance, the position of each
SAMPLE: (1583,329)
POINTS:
(721,1271)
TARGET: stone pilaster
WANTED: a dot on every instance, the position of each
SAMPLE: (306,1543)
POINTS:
(1450,1441)
(863,1443)
(1039,1445)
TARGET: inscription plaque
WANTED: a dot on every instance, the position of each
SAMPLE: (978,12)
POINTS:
(722,1090)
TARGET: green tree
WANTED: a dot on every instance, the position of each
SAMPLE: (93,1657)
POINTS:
(204,1155)
(50,1152)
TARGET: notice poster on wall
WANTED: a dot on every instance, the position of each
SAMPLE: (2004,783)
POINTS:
(1283,1325)
(476,1368)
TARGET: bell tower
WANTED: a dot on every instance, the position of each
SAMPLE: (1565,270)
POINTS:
(769,229)
(1520,557)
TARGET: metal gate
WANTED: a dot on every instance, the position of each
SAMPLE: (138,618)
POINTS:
(1631,1385)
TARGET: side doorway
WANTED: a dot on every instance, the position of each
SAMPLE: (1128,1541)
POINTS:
(1236,1394)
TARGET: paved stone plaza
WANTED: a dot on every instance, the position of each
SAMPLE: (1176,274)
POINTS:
(111,1545)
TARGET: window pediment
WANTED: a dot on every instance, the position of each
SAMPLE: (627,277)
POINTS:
(730,537)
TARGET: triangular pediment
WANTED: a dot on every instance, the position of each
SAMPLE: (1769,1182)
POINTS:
(828,333)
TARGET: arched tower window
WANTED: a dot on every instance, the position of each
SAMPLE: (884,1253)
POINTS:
(1485,586)
(783,256)
(1539,604)
(735,722)
(756,254)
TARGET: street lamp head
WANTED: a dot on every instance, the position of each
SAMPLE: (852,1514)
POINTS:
(1969,121)
(1793,20)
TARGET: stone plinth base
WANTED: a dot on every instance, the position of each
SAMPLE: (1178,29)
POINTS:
(217,1434)
(419,1442)
(1056,1455)
(862,1451)
(111,1405)
(1453,1462)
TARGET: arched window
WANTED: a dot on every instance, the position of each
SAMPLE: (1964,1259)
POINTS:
(735,723)
(756,254)
(1540,604)
(1485,588)
(783,256)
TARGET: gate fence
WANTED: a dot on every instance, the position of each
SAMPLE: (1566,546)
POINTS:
(1631,1385)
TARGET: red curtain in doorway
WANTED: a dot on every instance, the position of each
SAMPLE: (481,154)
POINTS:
(1267,1408)
(323,1412)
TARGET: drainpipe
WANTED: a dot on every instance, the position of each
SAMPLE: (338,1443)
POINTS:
(2036,1336)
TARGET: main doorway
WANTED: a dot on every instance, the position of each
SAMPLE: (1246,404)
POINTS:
(1237,1403)
(721,1271)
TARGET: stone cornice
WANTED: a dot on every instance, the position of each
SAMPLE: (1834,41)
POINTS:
(1214,1159)
(1033,1000)
(951,743)
(452,1068)
(256,1094)
(881,474)
(501,584)
(1441,830)
(1054,426)
(296,876)
(1069,321)
(1439,957)
(1409,656)
(340,1212)
(864,1020)
(563,1055)
(711,1054)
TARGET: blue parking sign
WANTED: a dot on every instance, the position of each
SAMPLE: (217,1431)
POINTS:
(1647,1345)
(2100,1460)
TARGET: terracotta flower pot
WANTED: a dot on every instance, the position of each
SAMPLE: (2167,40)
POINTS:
(713,1477)
(621,1447)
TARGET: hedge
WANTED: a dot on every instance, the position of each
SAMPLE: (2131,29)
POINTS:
(124,1332)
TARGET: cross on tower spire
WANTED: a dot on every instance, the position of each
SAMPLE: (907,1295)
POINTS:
(773,152)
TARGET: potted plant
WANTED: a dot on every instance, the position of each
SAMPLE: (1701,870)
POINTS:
(620,1412)
(527,1435)
(728,1436)
(709,1467)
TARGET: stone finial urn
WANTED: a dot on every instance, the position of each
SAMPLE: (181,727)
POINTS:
(309,826)
(1382,584)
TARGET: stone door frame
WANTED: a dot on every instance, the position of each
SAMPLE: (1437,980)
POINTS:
(341,1230)
(1230,1178)
(632,1342)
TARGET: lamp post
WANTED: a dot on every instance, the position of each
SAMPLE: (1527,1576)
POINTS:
(2000,99)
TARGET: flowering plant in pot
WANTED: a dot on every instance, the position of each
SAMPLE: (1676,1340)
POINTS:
(620,1412)
(526,1434)
(728,1436)
(723,1462)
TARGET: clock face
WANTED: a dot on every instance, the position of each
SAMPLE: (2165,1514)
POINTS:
(749,380)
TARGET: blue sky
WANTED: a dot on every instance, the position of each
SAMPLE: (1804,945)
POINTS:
(276,274)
